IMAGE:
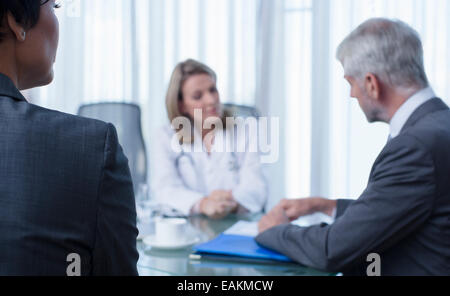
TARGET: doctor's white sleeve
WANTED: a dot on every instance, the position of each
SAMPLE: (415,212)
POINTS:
(252,190)
(167,186)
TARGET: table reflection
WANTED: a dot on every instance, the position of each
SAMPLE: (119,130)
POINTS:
(155,262)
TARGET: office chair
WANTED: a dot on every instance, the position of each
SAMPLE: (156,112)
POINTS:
(241,111)
(246,112)
(127,120)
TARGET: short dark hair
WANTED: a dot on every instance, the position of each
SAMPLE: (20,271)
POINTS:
(25,12)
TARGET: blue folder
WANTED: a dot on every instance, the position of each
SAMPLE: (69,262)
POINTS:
(240,247)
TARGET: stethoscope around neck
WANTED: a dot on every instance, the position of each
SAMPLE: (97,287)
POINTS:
(233,164)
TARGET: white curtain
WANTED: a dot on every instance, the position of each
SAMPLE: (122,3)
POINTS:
(277,54)
(125,51)
(354,144)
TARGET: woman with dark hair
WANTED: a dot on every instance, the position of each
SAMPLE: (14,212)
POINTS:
(66,195)
(28,41)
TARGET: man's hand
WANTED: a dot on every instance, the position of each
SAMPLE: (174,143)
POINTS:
(218,204)
(274,218)
(297,208)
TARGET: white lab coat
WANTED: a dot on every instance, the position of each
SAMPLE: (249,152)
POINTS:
(182,179)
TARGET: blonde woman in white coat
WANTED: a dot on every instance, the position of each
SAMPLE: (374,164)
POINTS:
(191,172)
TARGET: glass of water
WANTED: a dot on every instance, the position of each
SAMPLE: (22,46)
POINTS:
(143,204)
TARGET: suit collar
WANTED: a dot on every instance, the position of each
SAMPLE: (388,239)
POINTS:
(8,89)
(429,107)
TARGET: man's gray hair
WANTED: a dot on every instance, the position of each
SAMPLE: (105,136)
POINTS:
(389,49)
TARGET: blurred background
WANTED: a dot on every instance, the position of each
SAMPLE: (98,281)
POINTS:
(276,55)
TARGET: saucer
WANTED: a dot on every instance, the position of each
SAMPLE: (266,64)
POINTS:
(152,241)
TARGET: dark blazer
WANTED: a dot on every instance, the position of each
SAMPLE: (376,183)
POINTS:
(403,215)
(65,187)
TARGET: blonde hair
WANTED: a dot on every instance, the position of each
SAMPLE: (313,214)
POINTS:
(182,72)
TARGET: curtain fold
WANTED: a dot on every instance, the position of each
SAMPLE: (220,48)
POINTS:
(354,143)
(268,53)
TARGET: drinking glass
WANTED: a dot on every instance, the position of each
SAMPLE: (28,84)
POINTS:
(143,204)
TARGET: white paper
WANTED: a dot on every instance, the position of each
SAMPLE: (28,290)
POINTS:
(314,219)
(246,228)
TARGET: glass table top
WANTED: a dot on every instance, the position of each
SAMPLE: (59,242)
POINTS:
(155,262)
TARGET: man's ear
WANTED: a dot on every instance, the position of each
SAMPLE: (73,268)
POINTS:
(372,86)
(17,29)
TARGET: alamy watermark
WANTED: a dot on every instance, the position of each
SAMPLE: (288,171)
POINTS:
(243,135)
(74,267)
(374,268)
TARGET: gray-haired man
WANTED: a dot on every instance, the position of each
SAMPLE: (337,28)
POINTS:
(404,214)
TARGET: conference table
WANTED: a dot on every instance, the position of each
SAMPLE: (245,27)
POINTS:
(157,262)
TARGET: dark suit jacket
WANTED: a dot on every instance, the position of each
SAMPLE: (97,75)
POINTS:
(403,215)
(65,188)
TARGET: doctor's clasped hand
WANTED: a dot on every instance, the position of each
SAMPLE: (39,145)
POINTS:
(219,204)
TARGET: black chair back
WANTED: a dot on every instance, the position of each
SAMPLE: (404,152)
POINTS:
(241,111)
(127,120)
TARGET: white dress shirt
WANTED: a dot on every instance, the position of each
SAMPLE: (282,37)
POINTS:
(407,109)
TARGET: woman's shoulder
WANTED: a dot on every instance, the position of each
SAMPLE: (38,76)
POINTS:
(164,135)
(241,138)
(237,131)
(165,131)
